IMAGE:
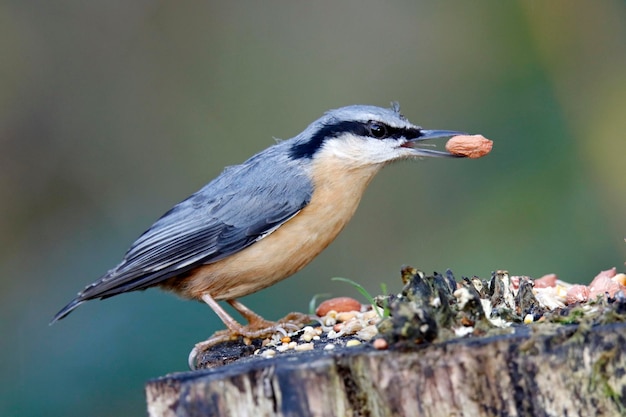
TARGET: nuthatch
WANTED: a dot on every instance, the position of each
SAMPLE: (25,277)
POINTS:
(262,221)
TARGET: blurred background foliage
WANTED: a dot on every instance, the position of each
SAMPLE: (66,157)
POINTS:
(111,112)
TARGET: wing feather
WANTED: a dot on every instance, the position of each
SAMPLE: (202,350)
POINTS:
(244,204)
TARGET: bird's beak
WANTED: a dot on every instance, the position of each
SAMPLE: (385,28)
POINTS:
(432,134)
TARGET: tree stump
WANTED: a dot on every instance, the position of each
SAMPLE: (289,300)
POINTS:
(570,371)
(474,348)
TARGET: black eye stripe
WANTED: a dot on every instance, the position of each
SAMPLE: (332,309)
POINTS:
(307,149)
(392,132)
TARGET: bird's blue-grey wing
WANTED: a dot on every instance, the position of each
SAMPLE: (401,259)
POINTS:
(241,206)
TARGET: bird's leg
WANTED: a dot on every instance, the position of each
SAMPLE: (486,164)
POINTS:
(254,320)
(257,326)
(230,322)
(234,331)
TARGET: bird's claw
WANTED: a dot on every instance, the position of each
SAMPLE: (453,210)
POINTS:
(289,324)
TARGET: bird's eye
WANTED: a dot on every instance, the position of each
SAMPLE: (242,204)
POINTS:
(378,130)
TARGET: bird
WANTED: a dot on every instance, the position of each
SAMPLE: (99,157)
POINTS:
(260,222)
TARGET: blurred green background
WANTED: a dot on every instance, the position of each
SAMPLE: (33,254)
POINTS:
(111,112)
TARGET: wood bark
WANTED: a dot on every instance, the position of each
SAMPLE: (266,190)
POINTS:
(543,370)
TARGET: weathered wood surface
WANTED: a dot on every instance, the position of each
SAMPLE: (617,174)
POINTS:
(571,370)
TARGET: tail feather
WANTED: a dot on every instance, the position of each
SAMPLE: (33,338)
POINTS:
(67,309)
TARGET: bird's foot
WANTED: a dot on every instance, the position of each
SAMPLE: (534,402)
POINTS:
(258,328)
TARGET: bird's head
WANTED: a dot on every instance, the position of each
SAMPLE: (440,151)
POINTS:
(367,135)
